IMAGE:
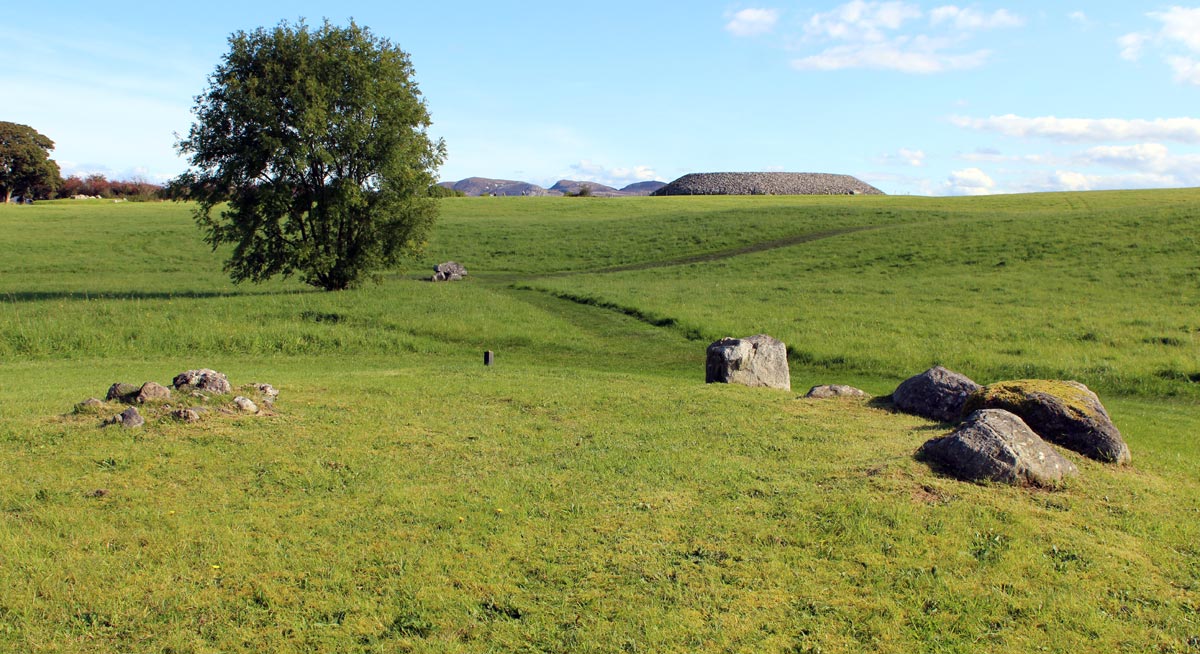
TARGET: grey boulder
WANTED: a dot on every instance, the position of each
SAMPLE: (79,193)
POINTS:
(152,391)
(995,445)
(451,271)
(829,391)
(758,360)
(122,392)
(245,404)
(937,394)
(203,379)
(128,419)
(1066,413)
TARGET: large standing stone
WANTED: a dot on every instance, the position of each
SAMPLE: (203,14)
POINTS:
(995,445)
(937,394)
(758,360)
(209,381)
(1063,412)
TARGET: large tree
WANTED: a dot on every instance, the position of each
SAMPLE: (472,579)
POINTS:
(26,168)
(316,139)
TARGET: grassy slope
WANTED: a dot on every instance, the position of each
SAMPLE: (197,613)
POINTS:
(587,494)
(1104,288)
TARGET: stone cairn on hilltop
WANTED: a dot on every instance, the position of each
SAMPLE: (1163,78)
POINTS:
(451,271)
(767,184)
(192,394)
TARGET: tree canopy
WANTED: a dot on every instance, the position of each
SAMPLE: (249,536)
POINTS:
(316,139)
(26,168)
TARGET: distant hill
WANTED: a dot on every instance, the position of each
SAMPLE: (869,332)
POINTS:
(767,184)
(486,186)
(572,187)
(643,188)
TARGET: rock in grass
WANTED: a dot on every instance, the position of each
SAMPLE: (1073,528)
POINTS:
(451,271)
(122,392)
(245,404)
(204,379)
(266,391)
(995,445)
(90,405)
(937,394)
(151,391)
(128,419)
(186,415)
(758,360)
(1066,413)
(829,391)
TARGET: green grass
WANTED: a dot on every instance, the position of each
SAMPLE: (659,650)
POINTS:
(1107,293)
(589,493)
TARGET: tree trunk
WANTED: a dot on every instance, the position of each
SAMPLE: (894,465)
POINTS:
(7,195)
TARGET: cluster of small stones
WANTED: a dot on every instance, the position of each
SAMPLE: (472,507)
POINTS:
(192,395)
(767,184)
(451,271)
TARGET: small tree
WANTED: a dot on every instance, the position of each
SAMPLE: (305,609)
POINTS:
(317,141)
(26,168)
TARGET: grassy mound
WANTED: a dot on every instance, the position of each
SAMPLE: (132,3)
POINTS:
(589,492)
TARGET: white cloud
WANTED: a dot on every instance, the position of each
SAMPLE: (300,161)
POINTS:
(753,22)
(861,21)
(870,34)
(904,157)
(1187,70)
(915,158)
(1143,155)
(969,181)
(973,19)
(590,171)
(1066,180)
(918,56)
(1081,130)
(1149,159)
(995,156)
(1132,45)
(1079,17)
(1181,25)
(1179,32)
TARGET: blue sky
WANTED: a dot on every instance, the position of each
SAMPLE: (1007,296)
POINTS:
(930,98)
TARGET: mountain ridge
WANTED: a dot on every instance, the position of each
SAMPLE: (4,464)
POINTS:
(478,186)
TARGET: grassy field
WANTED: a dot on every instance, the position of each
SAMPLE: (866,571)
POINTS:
(589,493)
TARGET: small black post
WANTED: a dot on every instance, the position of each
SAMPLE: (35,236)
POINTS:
(488,357)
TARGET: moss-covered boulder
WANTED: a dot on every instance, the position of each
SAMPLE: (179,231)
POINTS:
(1066,413)
(995,445)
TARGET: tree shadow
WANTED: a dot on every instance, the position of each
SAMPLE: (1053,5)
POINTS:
(20,297)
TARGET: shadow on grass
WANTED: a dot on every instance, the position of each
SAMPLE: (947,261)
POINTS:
(18,297)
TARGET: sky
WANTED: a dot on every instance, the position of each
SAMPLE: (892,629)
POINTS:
(924,98)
